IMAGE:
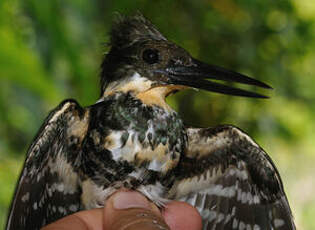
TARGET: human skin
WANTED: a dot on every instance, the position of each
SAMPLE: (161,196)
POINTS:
(129,210)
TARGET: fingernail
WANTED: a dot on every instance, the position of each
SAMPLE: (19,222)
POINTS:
(124,200)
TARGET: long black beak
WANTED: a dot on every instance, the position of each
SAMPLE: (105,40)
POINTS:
(195,76)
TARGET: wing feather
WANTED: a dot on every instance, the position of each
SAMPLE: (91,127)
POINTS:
(47,179)
(231,181)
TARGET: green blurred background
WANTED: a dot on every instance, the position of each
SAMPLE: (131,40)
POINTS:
(52,50)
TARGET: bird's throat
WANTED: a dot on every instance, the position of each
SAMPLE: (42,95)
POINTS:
(150,93)
(157,95)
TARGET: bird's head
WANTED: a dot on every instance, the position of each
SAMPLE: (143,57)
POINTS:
(142,60)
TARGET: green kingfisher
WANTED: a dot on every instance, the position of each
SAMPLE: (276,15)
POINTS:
(131,138)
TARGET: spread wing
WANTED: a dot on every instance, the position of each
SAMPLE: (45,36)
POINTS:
(231,181)
(48,187)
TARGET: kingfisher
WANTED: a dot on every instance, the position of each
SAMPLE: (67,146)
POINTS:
(131,138)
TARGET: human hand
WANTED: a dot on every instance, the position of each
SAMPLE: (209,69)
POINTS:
(129,210)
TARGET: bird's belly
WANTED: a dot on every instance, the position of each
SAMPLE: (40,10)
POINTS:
(140,152)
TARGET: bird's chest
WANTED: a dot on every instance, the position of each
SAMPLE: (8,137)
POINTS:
(144,136)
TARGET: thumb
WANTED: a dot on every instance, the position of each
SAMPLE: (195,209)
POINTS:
(129,210)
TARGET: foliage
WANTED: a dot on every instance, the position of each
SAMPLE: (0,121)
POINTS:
(51,51)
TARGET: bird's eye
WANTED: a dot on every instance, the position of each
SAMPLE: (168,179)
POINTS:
(150,56)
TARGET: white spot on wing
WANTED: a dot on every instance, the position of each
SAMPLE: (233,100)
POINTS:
(241,225)
(239,194)
(49,192)
(278,222)
(25,197)
(212,215)
(233,211)
(227,218)
(235,223)
(244,197)
(220,217)
(61,209)
(242,174)
(256,199)
(60,187)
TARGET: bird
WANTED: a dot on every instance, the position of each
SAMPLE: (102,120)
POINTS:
(132,139)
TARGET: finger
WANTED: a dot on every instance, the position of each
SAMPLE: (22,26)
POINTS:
(182,216)
(132,210)
(129,210)
(84,220)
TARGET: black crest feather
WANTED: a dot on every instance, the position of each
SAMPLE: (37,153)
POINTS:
(130,29)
